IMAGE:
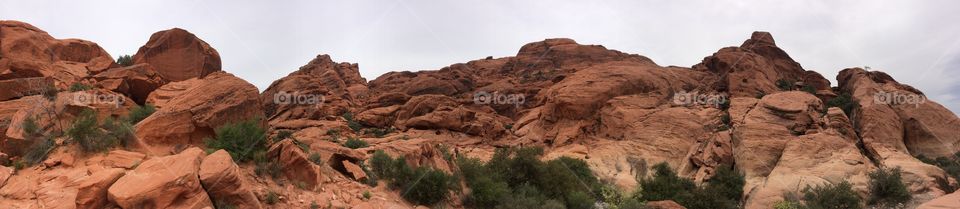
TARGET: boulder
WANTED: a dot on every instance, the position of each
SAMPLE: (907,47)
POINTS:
(163,182)
(222,180)
(136,82)
(122,159)
(178,55)
(296,164)
(355,171)
(190,116)
(92,190)
(5,173)
(21,87)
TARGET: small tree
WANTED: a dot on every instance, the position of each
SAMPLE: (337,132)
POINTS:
(887,188)
(139,113)
(355,143)
(125,60)
(86,132)
(243,140)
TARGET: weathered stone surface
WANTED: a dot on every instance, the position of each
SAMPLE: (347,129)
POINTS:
(136,82)
(190,116)
(163,182)
(92,190)
(178,55)
(222,180)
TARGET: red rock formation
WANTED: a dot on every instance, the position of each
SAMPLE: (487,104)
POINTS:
(178,55)
(28,52)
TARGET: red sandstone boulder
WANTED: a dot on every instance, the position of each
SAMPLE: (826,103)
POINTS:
(178,55)
(193,114)
(163,182)
(222,180)
(320,88)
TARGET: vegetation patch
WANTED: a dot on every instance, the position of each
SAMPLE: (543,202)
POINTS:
(422,185)
(243,140)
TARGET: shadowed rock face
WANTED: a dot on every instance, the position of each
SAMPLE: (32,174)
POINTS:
(621,113)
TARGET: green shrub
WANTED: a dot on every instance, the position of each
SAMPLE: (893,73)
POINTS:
(354,143)
(381,132)
(272,198)
(284,134)
(722,191)
(75,87)
(315,158)
(831,196)
(785,85)
(367,195)
(353,124)
(86,132)
(119,131)
(809,89)
(631,203)
(30,127)
(38,151)
(887,188)
(422,185)
(844,101)
(950,164)
(314,205)
(139,113)
(242,140)
(517,178)
(786,204)
(50,92)
(125,60)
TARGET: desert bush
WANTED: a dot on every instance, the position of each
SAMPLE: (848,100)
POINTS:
(315,158)
(844,101)
(887,188)
(809,89)
(353,124)
(30,127)
(381,132)
(50,92)
(242,139)
(723,190)
(38,151)
(272,198)
(75,87)
(517,178)
(86,132)
(139,113)
(831,196)
(355,143)
(420,185)
(950,164)
(119,131)
(784,85)
(125,60)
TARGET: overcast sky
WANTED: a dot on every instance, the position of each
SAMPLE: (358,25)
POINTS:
(916,42)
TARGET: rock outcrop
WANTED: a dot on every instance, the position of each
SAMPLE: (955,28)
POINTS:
(28,52)
(136,82)
(188,116)
(164,182)
(178,55)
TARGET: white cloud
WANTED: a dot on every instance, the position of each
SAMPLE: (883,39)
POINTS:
(914,41)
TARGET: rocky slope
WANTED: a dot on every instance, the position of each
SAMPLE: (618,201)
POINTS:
(750,106)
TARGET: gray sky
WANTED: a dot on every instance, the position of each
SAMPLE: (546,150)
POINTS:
(916,42)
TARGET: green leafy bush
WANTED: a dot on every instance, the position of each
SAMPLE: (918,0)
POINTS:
(722,191)
(125,60)
(139,113)
(887,188)
(517,178)
(315,158)
(809,89)
(119,131)
(30,127)
(844,101)
(785,85)
(831,196)
(272,198)
(949,164)
(355,143)
(420,185)
(242,140)
(353,124)
(86,132)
